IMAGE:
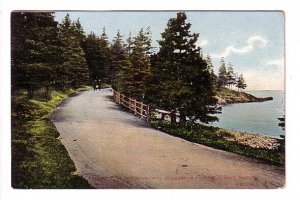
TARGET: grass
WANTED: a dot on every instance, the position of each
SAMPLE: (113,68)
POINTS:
(210,136)
(39,160)
(230,93)
(226,92)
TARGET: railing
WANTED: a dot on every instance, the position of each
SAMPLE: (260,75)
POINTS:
(138,108)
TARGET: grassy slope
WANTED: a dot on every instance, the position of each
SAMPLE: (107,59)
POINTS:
(39,160)
(218,138)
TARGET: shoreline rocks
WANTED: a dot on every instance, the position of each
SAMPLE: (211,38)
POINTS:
(253,140)
(227,96)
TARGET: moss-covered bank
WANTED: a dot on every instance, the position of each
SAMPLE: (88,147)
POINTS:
(39,160)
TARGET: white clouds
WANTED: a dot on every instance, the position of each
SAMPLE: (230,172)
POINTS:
(201,43)
(279,63)
(246,49)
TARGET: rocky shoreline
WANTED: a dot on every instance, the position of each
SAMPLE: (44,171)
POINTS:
(250,139)
(227,96)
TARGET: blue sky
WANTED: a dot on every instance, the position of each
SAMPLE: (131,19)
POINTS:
(252,41)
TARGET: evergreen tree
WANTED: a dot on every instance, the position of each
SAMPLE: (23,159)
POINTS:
(104,70)
(137,72)
(119,59)
(222,76)
(79,30)
(74,70)
(211,70)
(240,83)
(35,49)
(230,76)
(129,45)
(181,76)
(91,47)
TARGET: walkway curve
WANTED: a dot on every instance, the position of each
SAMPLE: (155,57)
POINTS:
(114,149)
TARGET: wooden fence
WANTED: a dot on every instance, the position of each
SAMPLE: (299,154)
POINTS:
(138,108)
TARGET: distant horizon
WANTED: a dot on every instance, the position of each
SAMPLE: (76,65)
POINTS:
(264,90)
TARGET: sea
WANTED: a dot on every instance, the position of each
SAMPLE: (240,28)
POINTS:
(258,117)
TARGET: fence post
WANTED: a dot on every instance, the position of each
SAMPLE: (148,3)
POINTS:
(133,105)
(142,109)
(118,97)
(135,111)
(148,113)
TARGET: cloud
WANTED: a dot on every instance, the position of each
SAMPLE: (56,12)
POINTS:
(279,63)
(202,43)
(246,49)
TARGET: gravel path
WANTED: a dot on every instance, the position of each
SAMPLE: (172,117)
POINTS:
(114,149)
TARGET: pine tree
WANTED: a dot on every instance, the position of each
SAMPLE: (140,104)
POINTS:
(240,83)
(137,72)
(74,70)
(211,70)
(230,76)
(79,30)
(222,76)
(91,47)
(104,71)
(119,59)
(129,45)
(181,76)
(35,50)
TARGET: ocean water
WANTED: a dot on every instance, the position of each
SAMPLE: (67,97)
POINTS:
(258,117)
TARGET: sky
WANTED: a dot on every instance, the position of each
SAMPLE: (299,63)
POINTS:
(252,41)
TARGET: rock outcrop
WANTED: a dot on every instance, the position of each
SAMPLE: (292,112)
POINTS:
(227,96)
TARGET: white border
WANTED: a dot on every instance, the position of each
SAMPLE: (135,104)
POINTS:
(292,90)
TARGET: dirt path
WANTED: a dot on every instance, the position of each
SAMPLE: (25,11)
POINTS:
(114,149)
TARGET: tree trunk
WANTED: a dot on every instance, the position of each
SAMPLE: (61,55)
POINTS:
(47,93)
(173,117)
(30,92)
(182,118)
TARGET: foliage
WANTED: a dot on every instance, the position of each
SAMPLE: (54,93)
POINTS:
(74,70)
(35,50)
(136,72)
(211,71)
(119,59)
(45,53)
(222,76)
(106,74)
(91,48)
(240,83)
(227,77)
(230,76)
(181,77)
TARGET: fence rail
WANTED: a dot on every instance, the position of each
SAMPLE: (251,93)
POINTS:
(138,108)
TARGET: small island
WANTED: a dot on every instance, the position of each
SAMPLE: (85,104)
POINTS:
(228,96)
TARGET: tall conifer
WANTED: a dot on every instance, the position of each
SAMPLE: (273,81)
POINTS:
(181,76)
